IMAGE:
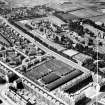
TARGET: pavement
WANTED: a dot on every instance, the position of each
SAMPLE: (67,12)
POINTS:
(56,55)
(69,62)
(43,38)
(20,52)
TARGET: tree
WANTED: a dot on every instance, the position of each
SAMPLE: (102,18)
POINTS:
(56,39)
(79,47)
(88,62)
(90,42)
(2,81)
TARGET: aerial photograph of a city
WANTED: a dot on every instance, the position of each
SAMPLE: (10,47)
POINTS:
(52,52)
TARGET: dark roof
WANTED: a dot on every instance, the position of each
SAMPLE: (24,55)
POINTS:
(2,81)
(20,85)
(50,78)
(79,85)
(28,103)
(12,77)
(102,88)
(63,80)
(83,101)
(12,88)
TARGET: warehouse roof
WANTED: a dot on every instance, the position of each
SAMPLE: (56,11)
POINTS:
(70,52)
(63,80)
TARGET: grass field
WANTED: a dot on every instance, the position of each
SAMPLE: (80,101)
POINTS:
(64,5)
(21,3)
(85,3)
(55,66)
(99,18)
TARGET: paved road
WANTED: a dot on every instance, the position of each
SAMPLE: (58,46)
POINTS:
(65,60)
(22,76)
(53,44)
(20,52)
(55,55)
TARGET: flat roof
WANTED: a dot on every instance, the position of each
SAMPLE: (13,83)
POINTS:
(79,85)
(53,85)
(81,57)
(70,52)
(53,74)
(56,20)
